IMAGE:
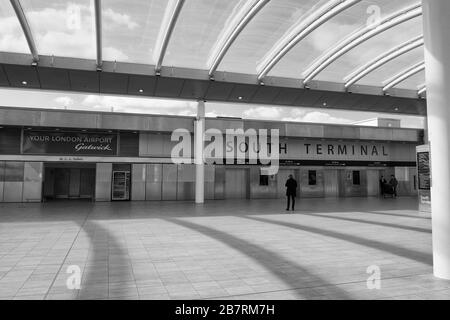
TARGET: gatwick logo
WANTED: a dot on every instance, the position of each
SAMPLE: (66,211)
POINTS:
(234,146)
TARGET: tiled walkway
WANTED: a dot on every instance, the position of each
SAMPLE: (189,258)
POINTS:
(224,249)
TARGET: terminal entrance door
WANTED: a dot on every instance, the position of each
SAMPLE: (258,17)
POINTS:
(69,181)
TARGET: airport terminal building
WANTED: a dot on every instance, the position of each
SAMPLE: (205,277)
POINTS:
(60,154)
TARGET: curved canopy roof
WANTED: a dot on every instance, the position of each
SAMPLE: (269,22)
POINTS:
(352,54)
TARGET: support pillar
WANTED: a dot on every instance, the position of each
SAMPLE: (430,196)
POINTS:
(199,131)
(437,60)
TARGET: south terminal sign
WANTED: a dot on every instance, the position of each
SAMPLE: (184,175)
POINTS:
(69,143)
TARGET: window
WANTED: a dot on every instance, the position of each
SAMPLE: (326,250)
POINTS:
(356,178)
(263,180)
(312,177)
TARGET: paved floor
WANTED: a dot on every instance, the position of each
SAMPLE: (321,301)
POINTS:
(224,249)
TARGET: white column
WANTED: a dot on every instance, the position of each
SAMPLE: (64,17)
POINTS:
(199,130)
(437,59)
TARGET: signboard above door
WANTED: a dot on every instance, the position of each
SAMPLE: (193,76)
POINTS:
(69,143)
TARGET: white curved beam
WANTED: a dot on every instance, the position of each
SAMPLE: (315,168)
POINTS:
(170,19)
(303,29)
(98,32)
(382,60)
(422,90)
(229,37)
(26,29)
(402,76)
(359,37)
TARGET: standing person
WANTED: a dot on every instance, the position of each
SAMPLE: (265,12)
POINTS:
(291,191)
(394,183)
(383,183)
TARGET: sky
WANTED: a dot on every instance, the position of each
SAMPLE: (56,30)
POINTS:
(131,32)
(107,103)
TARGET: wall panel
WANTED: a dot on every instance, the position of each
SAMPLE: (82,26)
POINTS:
(32,188)
(169,182)
(153,189)
(258,191)
(331,184)
(138,176)
(219,182)
(13,185)
(209,182)
(2,179)
(186,182)
(103,182)
(311,191)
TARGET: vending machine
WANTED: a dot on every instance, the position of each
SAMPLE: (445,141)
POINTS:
(121,185)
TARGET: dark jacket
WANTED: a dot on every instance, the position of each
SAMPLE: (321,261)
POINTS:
(393,182)
(291,187)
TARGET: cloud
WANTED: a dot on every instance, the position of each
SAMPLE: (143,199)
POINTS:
(316,117)
(12,38)
(110,53)
(67,31)
(267,113)
(118,19)
(330,33)
(64,101)
(139,105)
(211,114)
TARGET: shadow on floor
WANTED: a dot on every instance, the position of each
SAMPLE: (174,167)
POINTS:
(95,276)
(104,247)
(398,215)
(268,259)
(374,223)
(395,250)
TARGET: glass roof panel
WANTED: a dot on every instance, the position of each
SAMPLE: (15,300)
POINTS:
(333,32)
(263,32)
(370,50)
(12,38)
(198,27)
(412,83)
(130,29)
(62,28)
(393,67)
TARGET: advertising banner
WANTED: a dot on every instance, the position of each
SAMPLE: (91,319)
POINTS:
(69,143)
